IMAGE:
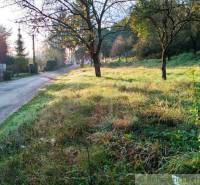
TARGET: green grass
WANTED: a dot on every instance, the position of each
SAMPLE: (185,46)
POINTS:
(88,130)
(27,115)
(182,60)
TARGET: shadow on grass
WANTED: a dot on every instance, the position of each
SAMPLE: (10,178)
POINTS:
(140,90)
(68,122)
(70,86)
(120,78)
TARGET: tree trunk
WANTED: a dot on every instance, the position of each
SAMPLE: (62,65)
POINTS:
(82,62)
(168,55)
(164,64)
(97,70)
(97,65)
(194,48)
(194,45)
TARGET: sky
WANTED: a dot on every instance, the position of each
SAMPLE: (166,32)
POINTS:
(8,18)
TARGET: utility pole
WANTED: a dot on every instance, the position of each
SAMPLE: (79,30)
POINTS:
(34,61)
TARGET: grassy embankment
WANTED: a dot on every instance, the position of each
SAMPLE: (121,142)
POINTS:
(88,130)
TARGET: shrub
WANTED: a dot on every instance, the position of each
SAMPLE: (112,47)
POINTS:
(147,48)
(33,68)
(21,65)
(7,75)
(51,65)
(9,60)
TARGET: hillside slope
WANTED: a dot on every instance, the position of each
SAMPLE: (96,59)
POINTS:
(88,130)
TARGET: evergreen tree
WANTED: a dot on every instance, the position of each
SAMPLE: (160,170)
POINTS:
(21,62)
(20,45)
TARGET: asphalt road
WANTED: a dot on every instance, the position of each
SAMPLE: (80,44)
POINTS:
(15,94)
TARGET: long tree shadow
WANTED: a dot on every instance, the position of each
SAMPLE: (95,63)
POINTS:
(72,123)
(70,86)
(120,79)
(148,92)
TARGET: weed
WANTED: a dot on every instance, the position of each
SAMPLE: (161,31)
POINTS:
(87,130)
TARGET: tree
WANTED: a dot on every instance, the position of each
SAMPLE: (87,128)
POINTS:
(80,55)
(21,63)
(166,18)
(147,48)
(126,35)
(81,20)
(55,53)
(118,48)
(123,42)
(20,49)
(193,34)
(3,44)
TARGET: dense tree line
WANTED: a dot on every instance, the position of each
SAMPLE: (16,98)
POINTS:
(120,43)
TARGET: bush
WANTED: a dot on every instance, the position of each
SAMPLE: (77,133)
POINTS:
(147,49)
(51,65)
(21,65)
(7,75)
(33,69)
(9,60)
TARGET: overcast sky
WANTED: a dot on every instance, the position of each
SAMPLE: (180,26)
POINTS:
(8,17)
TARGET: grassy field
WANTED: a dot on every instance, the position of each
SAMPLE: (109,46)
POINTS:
(86,130)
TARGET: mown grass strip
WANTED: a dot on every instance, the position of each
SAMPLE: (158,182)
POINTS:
(25,115)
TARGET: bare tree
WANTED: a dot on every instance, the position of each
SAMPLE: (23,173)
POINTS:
(84,21)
